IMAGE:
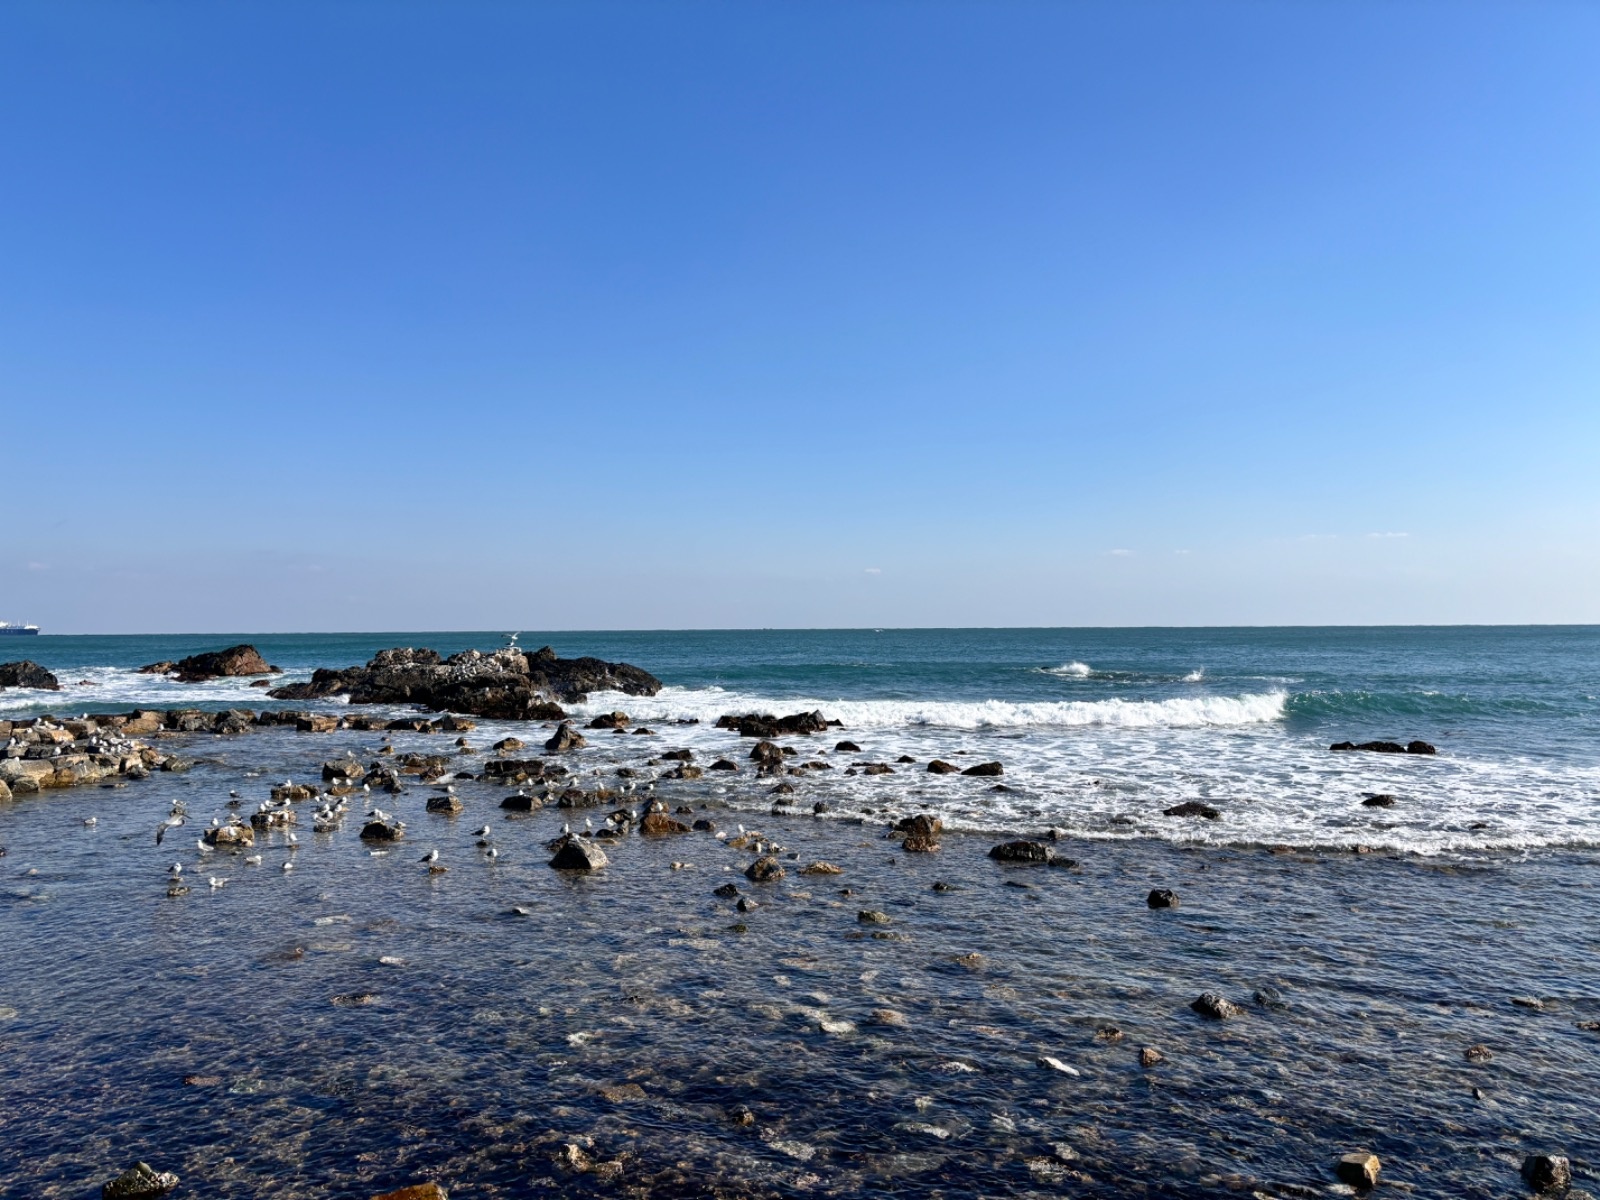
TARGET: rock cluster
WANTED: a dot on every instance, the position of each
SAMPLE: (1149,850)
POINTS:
(41,753)
(505,685)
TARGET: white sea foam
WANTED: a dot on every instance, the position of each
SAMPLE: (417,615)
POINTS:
(1196,676)
(1073,670)
(1187,712)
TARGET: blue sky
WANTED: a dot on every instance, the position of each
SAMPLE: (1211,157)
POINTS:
(392,315)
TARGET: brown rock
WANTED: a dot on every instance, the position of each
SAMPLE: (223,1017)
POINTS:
(657,823)
(764,870)
(416,1191)
(1149,1056)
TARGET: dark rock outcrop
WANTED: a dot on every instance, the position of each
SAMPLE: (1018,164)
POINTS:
(565,738)
(1021,852)
(1412,747)
(764,870)
(27,674)
(1192,808)
(139,1182)
(1162,898)
(939,767)
(758,726)
(217,664)
(985,769)
(504,685)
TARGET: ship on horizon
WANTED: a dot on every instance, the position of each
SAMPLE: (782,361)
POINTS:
(7,627)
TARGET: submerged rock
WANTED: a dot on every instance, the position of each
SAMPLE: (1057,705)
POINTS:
(985,769)
(138,1181)
(1021,852)
(939,767)
(1192,808)
(1413,747)
(758,726)
(1162,898)
(416,1191)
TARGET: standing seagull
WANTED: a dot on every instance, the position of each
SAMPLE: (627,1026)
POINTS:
(432,856)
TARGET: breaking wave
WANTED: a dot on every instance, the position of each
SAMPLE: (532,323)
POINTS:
(707,704)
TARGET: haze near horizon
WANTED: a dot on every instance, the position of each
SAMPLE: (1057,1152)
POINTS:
(359,317)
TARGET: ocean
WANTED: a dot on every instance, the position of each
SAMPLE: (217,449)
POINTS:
(918,1024)
(1099,730)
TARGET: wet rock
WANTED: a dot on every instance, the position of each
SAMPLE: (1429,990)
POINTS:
(848,748)
(921,825)
(656,824)
(1269,997)
(1359,1169)
(821,868)
(1547,1172)
(904,759)
(1532,1002)
(218,664)
(684,771)
(1478,1053)
(703,825)
(509,745)
(316,723)
(871,916)
(1192,808)
(578,854)
(876,769)
(623,1092)
(767,754)
(764,870)
(1377,800)
(746,905)
(565,738)
(727,891)
(354,999)
(939,767)
(521,802)
(723,764)
(138,1181)
(916,844)
(679,755)
(1380,747)
(1162,898)
(26,674)
(741,1116)
(342,769)
(1420,747)
(446,804)
(381,831)
(232,836)
(985,769)
(416,1191)
(1021,852)
(1149,1056)
(1217,1008)
(759,726)
(611,720)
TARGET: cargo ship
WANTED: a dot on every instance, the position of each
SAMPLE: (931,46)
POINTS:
(7,628)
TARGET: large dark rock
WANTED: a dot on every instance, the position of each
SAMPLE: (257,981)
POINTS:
(217,664)
(565,738)
(578,854)
(27,674)
(505,685)
(985,769)
(758,726)
(1021,852)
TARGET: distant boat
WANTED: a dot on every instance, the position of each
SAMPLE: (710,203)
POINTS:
(7,628)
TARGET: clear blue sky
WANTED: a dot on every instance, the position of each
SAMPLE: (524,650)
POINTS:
(395,315)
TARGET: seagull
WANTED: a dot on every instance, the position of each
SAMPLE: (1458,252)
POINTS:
(430,857)
(291,838)
(91,822)
(171,822)
(288,866)
(215,882)
(233,795)
(566,827)
(491,852)
(254,860)
(175,869)
(483,833)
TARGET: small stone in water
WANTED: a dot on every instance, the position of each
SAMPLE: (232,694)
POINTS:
(1162,898)
(1149,1056)
(1110,1034)
(1359,1169)
(868,916)
(835,1025)
(1209,1004)
(1479,1053)
(1527,1002)
(741,1116)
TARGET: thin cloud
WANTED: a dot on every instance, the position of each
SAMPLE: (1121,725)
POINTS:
(1388,535)
(874,571)
(1119,553)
